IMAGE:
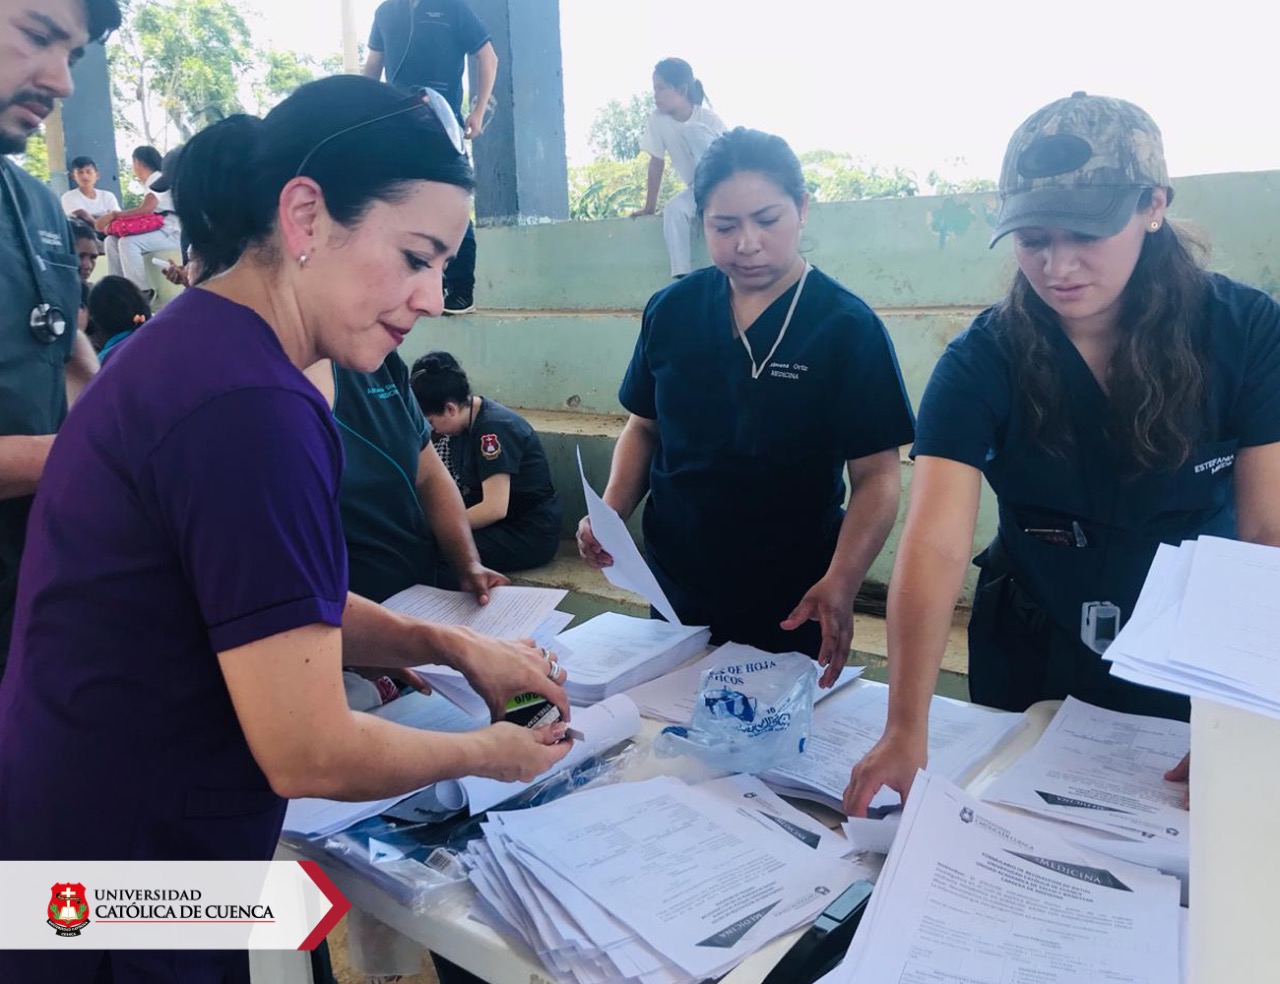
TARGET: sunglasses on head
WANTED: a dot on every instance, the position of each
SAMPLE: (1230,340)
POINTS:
(422,96)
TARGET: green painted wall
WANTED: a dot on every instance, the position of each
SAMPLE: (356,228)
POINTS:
(560,303)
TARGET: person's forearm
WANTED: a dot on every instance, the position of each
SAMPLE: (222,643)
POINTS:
(487,60)
(22,461)
(447,514)
(366,758)
(146,208)
(375,636)
(653,183)
(629,474)
(483,514)
(872,510)
(922,595)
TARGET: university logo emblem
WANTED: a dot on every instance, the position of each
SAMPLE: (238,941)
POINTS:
(68,909)
(490,446)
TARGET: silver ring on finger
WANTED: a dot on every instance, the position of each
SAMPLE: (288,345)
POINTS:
(553,668)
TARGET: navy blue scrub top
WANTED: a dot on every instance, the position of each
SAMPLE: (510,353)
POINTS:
(969,414)
(747,480)
(389,545)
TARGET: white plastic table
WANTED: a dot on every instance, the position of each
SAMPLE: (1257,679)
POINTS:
(477,948)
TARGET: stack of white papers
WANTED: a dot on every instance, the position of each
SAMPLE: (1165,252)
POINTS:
(971,893)
(846,726)
(613,652)
(1207,624)
(513,612)
(1105,770)
(602,726)
(671,697)
(649,881)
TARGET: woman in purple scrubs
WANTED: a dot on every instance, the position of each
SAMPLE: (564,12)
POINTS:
(180,629)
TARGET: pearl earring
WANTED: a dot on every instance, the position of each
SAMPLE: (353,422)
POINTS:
(1154,226)
(302,260)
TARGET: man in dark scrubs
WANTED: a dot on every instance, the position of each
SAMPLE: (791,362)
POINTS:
(39,279)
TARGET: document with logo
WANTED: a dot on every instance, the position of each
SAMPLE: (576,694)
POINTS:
(755,801)
(629,570)
(846,726)
(976,894)
(1103,769)
(700,885)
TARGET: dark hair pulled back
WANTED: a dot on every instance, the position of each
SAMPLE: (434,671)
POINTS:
(230,175)
(437,379)
(678,74)
(148,156)
(115,305)
(743,149)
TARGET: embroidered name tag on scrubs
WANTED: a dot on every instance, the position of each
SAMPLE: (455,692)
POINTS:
(786,370)
(1215,465)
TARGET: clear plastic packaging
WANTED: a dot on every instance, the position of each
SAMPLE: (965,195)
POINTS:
(749,715)
(420,864)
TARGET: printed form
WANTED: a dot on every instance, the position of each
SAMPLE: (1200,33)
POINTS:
(1103,769)
(975,894)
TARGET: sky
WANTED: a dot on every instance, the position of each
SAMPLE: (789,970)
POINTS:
(923,85)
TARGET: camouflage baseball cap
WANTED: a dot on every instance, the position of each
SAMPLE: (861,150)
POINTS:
(1080,163)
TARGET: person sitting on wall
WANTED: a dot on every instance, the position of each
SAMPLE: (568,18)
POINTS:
(86,201)
(151,227)
(498,462)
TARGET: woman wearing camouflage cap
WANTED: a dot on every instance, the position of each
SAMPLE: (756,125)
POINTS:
(1118,397)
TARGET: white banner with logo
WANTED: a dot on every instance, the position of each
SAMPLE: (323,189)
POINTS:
(166,905)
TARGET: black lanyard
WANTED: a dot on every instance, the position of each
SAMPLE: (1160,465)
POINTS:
(47,321)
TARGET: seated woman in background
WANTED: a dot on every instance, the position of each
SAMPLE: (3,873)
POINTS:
(125,253)
(116,310)
(497,460)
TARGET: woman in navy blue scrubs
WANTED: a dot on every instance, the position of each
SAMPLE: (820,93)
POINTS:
(755,385)
(1117,398)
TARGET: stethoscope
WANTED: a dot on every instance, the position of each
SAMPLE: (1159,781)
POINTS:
(47,321)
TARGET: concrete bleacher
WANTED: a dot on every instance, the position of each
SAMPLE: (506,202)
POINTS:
(560,310)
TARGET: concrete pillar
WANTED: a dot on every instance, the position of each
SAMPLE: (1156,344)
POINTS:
(350,40)
(87,124)
(522,175)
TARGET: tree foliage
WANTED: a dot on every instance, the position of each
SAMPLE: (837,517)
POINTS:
(835,176)
(181,63)
(607,189)
(966,186)
(35,159)
(285,71)
(617,129)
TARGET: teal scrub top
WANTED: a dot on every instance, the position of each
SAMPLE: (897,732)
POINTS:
(389,545)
